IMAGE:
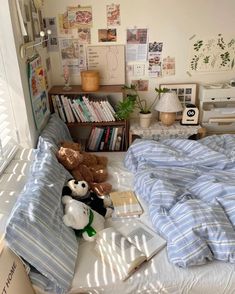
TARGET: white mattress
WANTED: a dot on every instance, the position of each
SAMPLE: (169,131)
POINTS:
(156,275)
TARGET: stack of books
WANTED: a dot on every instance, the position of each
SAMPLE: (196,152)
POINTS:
(107,138)
(83,109)
(125,204)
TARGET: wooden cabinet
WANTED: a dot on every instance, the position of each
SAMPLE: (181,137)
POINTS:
(76,91)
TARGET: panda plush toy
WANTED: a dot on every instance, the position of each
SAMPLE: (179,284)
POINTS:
(79,190)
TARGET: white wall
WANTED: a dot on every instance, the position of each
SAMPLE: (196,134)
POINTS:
(171,21)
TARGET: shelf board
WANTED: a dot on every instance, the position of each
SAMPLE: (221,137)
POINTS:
(77,89)
(103,123)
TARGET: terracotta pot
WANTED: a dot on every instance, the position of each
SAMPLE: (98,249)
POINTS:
(145,119)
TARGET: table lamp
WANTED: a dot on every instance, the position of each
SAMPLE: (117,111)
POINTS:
(168,105)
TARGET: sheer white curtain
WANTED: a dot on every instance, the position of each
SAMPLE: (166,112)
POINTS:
(8,134)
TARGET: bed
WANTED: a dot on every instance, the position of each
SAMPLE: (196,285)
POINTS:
(157,171)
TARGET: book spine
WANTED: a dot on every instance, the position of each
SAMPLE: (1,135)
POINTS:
(103,111)
(108,112)
(74,110)
(94,139)
(110,138)
(93,111)
(114,138)
(60,107)
(79,110)
(107,138)
(99,111)
(112,141)
(110,107)
(97,144)
(118,143)
(90,137)
(86,111)
(69,109)
(92,115)
(53,99)
(65,106)
(101,147)
(99,119)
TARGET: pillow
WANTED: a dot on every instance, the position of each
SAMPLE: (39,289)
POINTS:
(54,132)
(35,230)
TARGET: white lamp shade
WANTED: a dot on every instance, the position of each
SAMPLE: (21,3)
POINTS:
(169,102)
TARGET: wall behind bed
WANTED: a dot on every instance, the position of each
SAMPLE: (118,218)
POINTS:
(172,22)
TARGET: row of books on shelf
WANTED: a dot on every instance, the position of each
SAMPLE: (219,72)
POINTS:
(83,109)
(106,138)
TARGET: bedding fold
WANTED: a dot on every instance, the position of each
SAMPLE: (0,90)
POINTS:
(189,187)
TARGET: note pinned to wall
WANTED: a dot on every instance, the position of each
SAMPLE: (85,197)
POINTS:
(109,61)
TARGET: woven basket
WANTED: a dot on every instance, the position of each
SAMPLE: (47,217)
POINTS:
(90,80)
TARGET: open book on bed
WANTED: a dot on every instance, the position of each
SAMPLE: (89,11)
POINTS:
(127,247)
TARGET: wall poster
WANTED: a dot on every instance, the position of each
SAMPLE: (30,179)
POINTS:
(109,61)
(37,87)
(211,55)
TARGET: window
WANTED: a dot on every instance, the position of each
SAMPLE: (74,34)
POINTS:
(8,145)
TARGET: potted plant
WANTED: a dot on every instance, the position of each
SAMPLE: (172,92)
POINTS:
(132,100)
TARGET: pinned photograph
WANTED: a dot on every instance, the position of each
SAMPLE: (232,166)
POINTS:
(109,35)
(141,85)
(113,15)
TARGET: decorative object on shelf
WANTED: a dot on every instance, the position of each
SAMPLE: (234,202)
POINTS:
(133,100)
(185,92)
(168,105)
(66,78)
(190,115)
(145,119)
(33,45)
(90,80)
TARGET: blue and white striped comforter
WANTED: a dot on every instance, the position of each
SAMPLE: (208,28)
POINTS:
(189,187)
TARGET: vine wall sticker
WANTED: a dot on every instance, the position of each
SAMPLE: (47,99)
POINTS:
(215,54)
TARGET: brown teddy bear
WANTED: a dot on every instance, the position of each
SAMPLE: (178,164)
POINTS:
(85,166)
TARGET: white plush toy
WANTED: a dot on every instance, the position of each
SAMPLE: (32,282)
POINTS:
(80,216)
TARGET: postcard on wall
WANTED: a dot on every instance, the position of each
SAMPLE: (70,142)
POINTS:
(73,54)
(79,17)
(109,60)
(113,15)
(155,59)
(107,35)
(63,24)
(84,35)
(38,94)
(136,48)
(139,70)
(141,85)
(154,67)
(168,66)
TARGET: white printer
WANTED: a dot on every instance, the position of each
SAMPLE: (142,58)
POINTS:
(217,108)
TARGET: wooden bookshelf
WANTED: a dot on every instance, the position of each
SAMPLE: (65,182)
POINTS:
(77,90)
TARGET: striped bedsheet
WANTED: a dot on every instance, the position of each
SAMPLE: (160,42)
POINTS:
(189,187)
